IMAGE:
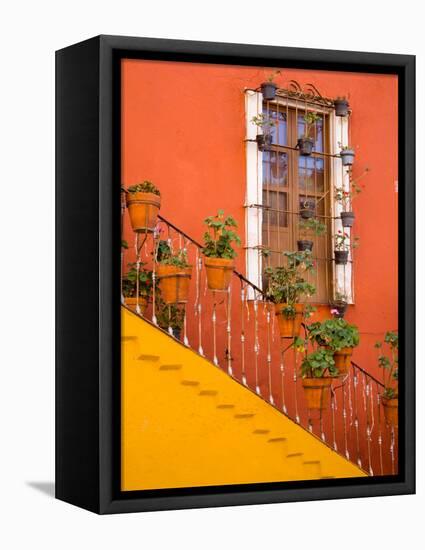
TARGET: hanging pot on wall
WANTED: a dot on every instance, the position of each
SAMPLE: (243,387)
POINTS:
(289,327)
(342,360)
(347,157)
(304,245)
(143,209)
(341,107)
(316,392)
(305,146)
(268,89)
(173,282)
(131,302)
(219,272)
(341,257)
(347,219)
(390,411)
(264,140)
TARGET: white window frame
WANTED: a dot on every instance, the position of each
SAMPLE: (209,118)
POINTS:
(341,275)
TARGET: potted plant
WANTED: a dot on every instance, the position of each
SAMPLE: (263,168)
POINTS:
(218,250)
(268,88)
(347,155)
(389,364)
(342,247)
(307,209)
(174,274)
(170,316)
(341,106)
(307,227)
(129,286)
(318,370)
(345,198)
(265,123)
(339,305)
(286,286)
(305,143)
(337,336)
(143,203)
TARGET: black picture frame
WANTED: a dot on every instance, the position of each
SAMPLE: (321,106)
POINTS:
(87,298)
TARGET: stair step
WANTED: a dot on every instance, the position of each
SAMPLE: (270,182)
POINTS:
(189,383)
(244,415)
(147,357)
(170,367)
(294,455)
(208,392)
(225,406)
(277,440)
(128,338)
(261,432)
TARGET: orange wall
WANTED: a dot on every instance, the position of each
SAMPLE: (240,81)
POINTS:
(184,129)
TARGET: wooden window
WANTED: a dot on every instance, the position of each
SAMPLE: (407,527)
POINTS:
(291,182)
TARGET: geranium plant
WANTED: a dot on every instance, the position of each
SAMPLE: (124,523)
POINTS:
(266,124)
(318,364)
(220,236)
(389,363)
(129,281)
(306,142)
(144,187)
(287,284)
(334,334)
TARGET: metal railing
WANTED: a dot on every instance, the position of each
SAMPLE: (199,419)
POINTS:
(237,331)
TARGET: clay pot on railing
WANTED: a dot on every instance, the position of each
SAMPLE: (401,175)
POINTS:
(264,140)
(304,245)
(390,411)
(347,157)
(143,209)
(219,272)
(305,146)
(341,257)
(131,302)
(173,282)
(341,107)
(342,360)
(289,327)
(316,392)
(347,219)
(268,89)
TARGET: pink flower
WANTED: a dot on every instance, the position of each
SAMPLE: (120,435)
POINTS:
(334,311)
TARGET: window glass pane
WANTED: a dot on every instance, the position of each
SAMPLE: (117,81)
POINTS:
(310,174)
(276,204)
(279,130)
(275,168)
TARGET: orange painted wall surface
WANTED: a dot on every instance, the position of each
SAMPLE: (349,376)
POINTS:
(184,129)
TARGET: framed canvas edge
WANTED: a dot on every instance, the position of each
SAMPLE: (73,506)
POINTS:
(404,66)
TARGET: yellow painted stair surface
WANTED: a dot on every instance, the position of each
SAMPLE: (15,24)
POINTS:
(185,423)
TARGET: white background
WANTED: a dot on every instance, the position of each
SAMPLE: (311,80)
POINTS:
(30,32)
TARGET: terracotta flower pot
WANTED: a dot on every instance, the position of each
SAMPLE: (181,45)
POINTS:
(316,392)
(143,210)
(289,327)
(219,272)
(131,302)
(342,360)
(390,411)
(173,283)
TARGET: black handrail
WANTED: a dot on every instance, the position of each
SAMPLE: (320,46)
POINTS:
(186,236)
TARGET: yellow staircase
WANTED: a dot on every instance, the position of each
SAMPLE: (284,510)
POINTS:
(186,423)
